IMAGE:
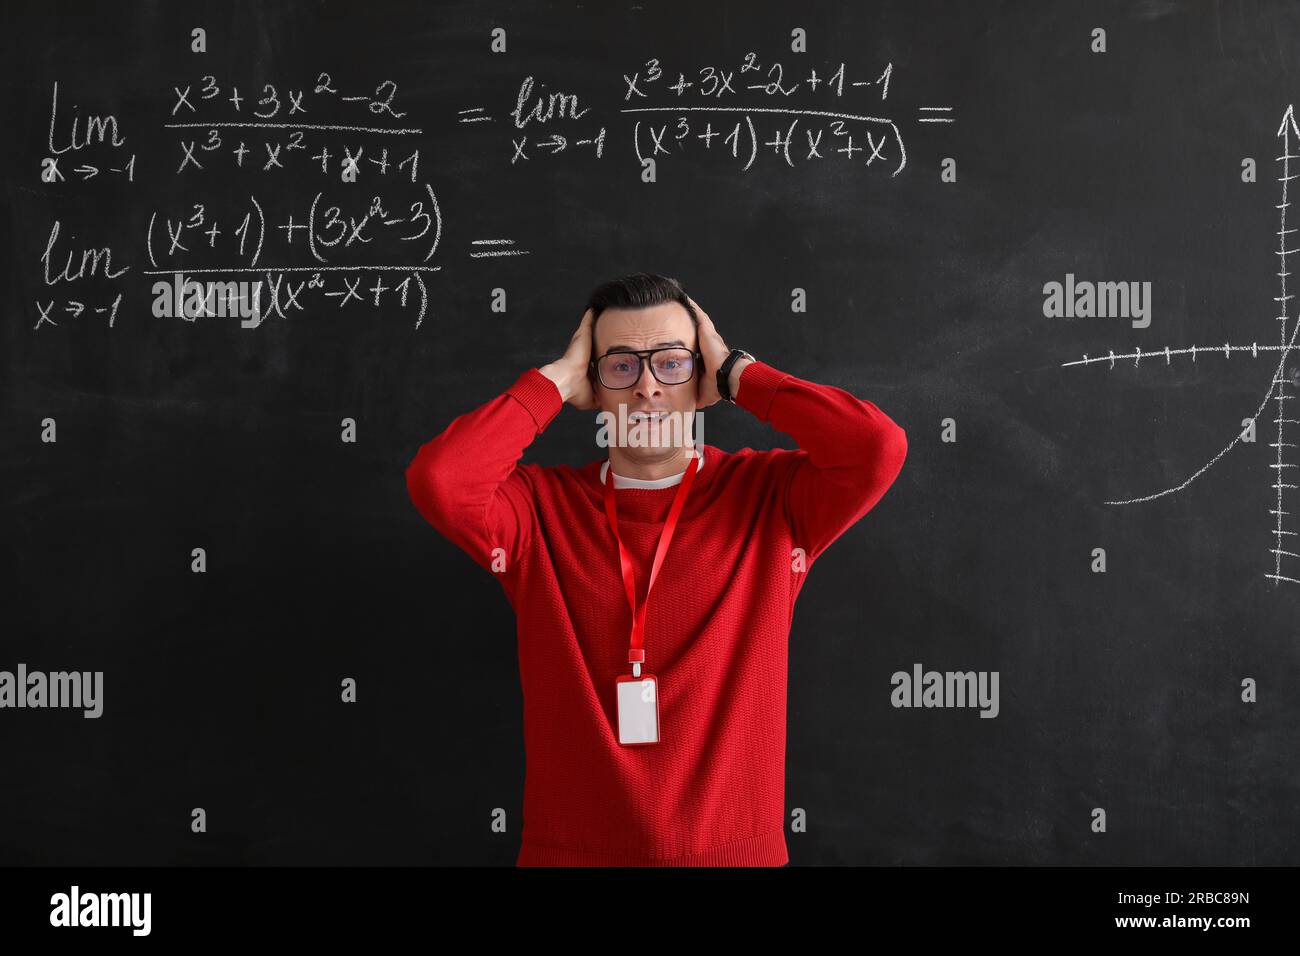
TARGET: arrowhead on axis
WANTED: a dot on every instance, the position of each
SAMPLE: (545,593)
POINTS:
(1288,119)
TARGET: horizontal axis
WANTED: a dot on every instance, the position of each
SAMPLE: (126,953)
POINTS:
(1254,348)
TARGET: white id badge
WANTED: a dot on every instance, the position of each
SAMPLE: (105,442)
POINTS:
(638,709)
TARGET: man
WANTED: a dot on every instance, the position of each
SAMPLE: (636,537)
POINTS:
(655,737)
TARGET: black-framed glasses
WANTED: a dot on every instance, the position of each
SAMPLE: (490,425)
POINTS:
(671,365)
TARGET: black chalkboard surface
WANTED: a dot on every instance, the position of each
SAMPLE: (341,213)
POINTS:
(991,219)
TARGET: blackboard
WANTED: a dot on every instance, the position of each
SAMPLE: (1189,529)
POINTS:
(1014,147)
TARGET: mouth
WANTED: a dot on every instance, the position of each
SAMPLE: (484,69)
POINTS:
(647,417)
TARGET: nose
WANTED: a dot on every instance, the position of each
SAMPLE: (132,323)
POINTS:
(647,385)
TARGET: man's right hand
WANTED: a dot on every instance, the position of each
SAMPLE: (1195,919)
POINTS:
(569,371)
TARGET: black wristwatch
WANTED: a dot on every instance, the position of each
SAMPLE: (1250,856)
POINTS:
(724,373)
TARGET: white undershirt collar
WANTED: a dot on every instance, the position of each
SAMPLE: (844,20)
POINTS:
(621,482)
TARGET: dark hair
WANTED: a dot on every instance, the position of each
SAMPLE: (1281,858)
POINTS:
(637,291)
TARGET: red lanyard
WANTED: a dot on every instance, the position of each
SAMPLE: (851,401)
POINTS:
(636,653)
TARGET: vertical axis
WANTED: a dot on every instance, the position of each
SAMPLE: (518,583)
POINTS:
(1284,131)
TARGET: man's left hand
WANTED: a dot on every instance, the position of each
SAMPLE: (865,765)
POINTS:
(715,352)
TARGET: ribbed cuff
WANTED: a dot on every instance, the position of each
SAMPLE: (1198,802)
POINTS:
(758,386)
(766,849)
(539,395)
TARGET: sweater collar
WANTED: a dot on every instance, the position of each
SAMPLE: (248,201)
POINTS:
(654,500)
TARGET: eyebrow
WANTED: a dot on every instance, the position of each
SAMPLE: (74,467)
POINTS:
(658,345)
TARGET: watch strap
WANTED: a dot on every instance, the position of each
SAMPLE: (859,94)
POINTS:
(724,373)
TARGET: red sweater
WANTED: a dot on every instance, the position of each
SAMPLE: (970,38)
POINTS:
(712,791)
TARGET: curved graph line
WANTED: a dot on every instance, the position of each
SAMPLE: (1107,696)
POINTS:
(1284,131)
(1228,447)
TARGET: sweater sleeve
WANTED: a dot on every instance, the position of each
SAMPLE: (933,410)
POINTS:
(849,452)
(466,481)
